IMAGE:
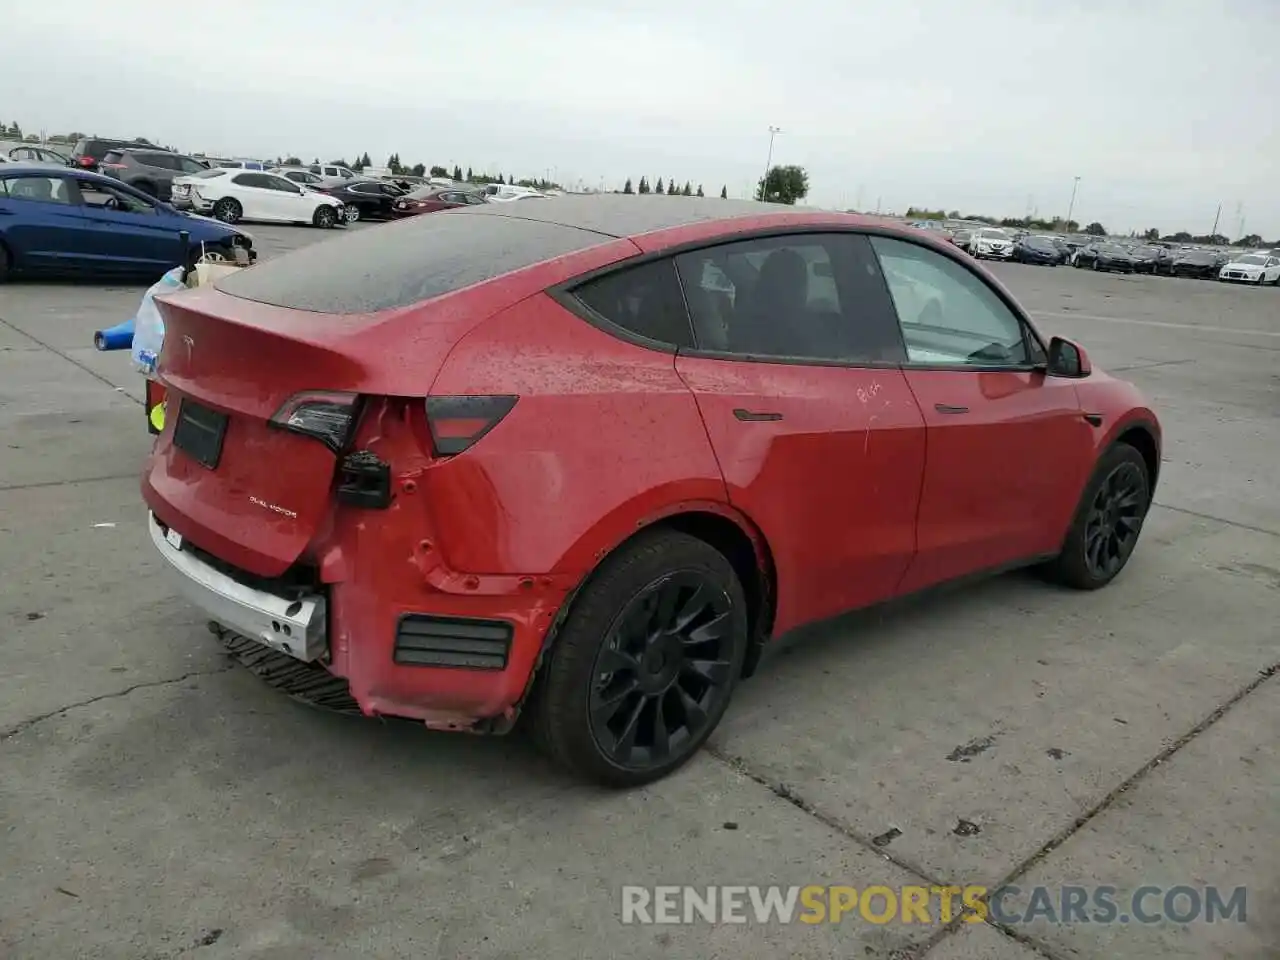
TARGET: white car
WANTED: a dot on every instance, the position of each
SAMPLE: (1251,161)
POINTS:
(233,195)
(991,242)
(1256,268)
(505,193)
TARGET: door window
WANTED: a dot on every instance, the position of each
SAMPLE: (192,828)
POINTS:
(644,300)
(250,180)
(280,184)
(165,161)
(948,314)
(103,196)
(41,189)
(805,297)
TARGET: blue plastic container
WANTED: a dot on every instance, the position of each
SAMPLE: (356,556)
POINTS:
(119,337)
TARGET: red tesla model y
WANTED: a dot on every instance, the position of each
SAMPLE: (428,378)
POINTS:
(581,460)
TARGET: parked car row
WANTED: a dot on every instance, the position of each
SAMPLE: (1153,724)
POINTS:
(1233,266)
(1113,256)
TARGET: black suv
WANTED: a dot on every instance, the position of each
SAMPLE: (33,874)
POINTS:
(149,170)
(89,151)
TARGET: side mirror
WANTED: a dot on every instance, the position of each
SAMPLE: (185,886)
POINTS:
(1068,359)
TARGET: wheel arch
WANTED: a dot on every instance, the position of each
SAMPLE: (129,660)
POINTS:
(723,528)
(1142,438)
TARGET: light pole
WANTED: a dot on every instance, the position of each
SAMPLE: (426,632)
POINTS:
(1071,207)
(768,161)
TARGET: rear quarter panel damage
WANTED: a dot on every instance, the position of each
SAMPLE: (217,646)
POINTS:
(604,438)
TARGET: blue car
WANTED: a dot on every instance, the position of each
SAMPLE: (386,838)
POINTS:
(56,220)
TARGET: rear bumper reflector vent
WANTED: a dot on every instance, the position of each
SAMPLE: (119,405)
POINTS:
(427,641)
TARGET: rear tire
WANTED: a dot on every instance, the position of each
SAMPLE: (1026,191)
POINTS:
(147,187)
(1107,522)
(645,663)
(5,263)
(228,210)
(325,217)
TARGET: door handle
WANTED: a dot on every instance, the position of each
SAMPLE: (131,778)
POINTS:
(948,408)
(753,416)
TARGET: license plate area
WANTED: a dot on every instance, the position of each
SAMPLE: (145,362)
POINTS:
(199,432)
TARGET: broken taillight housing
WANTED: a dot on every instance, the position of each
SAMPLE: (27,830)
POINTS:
(321,415)
(458,422)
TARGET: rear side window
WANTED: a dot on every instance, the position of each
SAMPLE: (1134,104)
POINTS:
(405,263)
(113,156)
(800,297)
(644,300)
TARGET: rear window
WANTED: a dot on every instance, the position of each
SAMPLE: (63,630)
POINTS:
(113,156)
(405,263)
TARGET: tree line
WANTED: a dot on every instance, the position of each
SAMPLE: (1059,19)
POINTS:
(1096,229)
(672,189)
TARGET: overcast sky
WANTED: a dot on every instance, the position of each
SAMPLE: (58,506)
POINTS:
(1163,108)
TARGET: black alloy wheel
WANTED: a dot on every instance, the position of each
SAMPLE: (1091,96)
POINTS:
(1107,522)
(644,661)
(1115,517)
(662,670)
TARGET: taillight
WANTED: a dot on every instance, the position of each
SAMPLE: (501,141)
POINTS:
(458,422)
(324,416)
(86,161)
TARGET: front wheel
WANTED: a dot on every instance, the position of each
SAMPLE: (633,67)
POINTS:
(1107,523)
(325,217)
(352,213)
(645,663)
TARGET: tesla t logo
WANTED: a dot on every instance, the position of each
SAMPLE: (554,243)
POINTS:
(273,508)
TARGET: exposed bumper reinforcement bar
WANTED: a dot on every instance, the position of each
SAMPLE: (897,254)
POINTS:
(296,627)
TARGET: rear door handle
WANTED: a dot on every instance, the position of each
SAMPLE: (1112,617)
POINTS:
(754,416)
(948,408)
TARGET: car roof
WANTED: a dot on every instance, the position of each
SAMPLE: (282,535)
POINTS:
(629,215)
(382,269)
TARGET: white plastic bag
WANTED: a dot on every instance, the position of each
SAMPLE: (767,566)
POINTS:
(148,328)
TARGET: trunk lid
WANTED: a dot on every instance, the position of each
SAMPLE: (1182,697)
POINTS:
(263,493)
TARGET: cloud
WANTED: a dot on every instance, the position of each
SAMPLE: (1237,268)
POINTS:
(1162,110)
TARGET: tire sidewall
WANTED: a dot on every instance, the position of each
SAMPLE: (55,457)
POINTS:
(561,699)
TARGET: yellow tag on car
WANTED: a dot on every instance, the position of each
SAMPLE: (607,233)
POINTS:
(157,417)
